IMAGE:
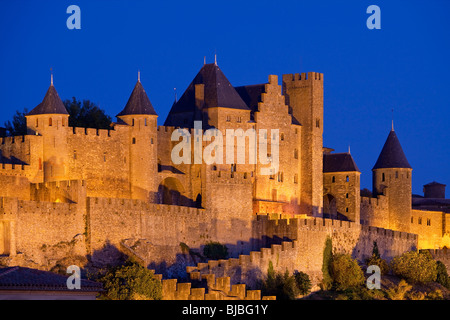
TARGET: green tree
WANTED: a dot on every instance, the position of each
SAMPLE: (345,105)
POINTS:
(86,114)
(131,281)
(215,250)
(376,260)
(18,126)
(345,272)
(327,281)
(442,275)
(283,286)
(303,282)
(415,267)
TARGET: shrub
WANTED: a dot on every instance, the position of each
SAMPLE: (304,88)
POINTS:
(283,286)
(399,292)
(303,283)
(327,281)
(442,275)
(215,250)
(345,272)
(377,261)
(415,267)
(131,281)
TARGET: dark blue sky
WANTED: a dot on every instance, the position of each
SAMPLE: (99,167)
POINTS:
(404,66)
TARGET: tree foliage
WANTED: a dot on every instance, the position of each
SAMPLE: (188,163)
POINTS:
(327,281)
(86,114)
(18,126)
(131,281)
(345,272)
(415,267)
(285,286)
(376,260)
(215,250)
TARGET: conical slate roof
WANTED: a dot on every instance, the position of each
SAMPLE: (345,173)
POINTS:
(138,103)
(51,104)
(218,92)
(392,155)
(339,162)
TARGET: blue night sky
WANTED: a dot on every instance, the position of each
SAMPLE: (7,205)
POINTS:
(404,66)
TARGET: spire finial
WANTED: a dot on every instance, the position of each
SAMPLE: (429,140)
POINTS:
(348,149)
(139,75)
(204,60)
(392,129)
(51,76)
(215,58)
(175,91)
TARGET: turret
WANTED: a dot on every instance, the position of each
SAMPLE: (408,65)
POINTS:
(141,118)
(304,96)
(392,177)
(50,120)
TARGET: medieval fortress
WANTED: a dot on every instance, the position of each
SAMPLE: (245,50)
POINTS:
(68,193)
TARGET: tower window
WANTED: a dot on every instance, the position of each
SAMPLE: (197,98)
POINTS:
(145,122)
(347,179)
(396,174)
(428,222)
(295,154)
(133,141)
(50,122)
(74,154)
(151,140)
(346,209)
(412,219)
(228,118)
(333,179)
(420,220)
(37,123)
(346,195)
(104,157)
(239,119)
(317,123)
(132,122)
(383,177)
(282,137)
(295,178)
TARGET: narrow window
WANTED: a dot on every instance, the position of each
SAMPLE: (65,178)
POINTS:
(412,219)
(74,154)
(104,157)
(151,140)
(346,209)
(396,174)
(317,123)
(347,179)
(145,122)
(134,140)
(239,119)
(50,122)
(228,118)
(383,178)
(282,137)
(295,178)
(295,154)
(420,220)
(333,179)
(132,122)
(346,195)
(37,123)
(428,222)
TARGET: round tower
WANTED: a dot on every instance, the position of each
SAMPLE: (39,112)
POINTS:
(392,177)
(141,118)
(50,120)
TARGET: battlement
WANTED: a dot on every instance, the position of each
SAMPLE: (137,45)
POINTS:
(217,289)
(13,139)
(102,133)
(140,205)
(379,202)
(9,169)
(302,77)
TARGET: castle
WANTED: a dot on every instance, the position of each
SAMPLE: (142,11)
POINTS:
(82,192)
